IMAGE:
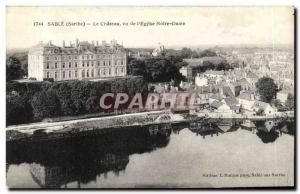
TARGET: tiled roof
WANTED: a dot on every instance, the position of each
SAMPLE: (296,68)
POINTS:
(230,101)
(260,105)
(245,96)
(216,104)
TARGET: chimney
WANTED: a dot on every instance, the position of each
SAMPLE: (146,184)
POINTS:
(77,42)
(97,43)
(252,96)
(221,91)
(64,43)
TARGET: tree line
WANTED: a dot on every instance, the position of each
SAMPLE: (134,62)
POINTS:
(28,102)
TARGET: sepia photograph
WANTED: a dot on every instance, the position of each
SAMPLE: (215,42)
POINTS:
(163,97)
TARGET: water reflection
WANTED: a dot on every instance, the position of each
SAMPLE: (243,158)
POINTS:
(55,163)
(80,160)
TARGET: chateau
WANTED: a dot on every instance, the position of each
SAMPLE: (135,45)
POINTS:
(79,61)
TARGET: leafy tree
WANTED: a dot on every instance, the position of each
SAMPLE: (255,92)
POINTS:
(267,89)
(45,104)
(92,104)
(289,103)
(17,109)
(13,69)
(207,53)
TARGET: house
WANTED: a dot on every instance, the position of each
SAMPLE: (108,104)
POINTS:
(216,97)
(221,107)
(213,74)
(246,100)
(252,78)
(233,103)
(282,96)
(265,107)
(244,84)
(185,85)
(201,80)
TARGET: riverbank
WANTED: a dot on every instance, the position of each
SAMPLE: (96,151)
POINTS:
(134,119)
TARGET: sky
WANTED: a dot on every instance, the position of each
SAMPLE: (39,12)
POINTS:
(203,25)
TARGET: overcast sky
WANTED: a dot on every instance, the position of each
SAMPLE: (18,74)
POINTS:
(203,25)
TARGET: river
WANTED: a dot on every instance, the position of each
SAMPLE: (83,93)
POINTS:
(228,155)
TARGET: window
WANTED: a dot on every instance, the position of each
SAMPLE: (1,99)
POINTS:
(115,62)
(70,64)
(82,63)
(70,75)
(88,57)
(108,63)
(98,72)
(103,63)
(64,74)
(75,57)
(63,65)
(92,63)
(91,56)
(116,71)
(75,64)
(104,71)
(47,67)
(109,71)
(82,57)
(98,63)
(122,70)
(88,64)
(87,73)
(83,73)
(92,73)
(75,73)
(55,75)
(55,65)
(121,62)
(70,57)
(47,58)
(55,58)
(48,75)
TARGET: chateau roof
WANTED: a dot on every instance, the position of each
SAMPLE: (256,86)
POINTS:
(88,48)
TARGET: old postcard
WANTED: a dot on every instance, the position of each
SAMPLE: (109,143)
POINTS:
(150,97)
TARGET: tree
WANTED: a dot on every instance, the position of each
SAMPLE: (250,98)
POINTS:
(267,89)
(289,103)
(13,69)
(45,104)
(207,53)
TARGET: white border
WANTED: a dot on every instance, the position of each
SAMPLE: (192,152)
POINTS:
(5,3)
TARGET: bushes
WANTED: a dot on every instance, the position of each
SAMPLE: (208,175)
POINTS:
(27,102)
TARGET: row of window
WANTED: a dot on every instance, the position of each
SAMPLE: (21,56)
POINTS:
(85,73)
(85,57)
(85,63)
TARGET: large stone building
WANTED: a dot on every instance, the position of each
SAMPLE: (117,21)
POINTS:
(82,60)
